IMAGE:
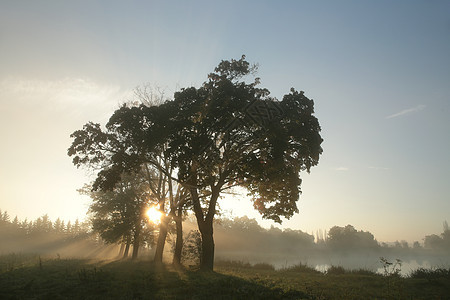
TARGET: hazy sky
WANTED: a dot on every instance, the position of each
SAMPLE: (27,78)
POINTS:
(379,72)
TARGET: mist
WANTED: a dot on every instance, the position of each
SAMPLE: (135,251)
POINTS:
(240,240)
(244,240)
(42,237)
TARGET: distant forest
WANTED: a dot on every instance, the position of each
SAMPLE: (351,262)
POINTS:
(241,239)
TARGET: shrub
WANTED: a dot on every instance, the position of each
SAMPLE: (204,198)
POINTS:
(430,274)
(301,268)
(339,270)
(391,268)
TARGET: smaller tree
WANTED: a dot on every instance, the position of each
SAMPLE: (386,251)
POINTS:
(416,245)
(15,222)
(348,238)
(438,242)
(446,236)
(192,248)
(5,217)
(119,215)
(68,230)
(58,226)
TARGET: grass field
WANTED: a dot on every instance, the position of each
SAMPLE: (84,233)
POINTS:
(33,277)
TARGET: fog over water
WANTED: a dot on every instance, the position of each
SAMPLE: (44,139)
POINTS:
(242,240)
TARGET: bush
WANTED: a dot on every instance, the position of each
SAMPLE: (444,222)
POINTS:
(192,248)
(339,270)
(392,269)
(301,268)
(430,274)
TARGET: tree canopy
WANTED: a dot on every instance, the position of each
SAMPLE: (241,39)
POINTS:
(118,215)
(225,133)
(344,238)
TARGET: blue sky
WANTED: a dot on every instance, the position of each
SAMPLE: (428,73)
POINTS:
(379,72)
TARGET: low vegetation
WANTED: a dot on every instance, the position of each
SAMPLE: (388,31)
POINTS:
(256,263)
(35,277)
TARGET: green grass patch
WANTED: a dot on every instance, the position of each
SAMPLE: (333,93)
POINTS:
(28,277)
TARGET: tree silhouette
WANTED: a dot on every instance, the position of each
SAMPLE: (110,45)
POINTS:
(228,133)
(348,238)
(245,235)
(436,242)
(119,215)
(223,134)
(116,151)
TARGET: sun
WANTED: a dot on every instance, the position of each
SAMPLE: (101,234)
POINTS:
(154,214)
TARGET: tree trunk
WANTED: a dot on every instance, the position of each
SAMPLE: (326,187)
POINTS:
(127,247)
(179,241)
(122,248)
(161,240)
(136,241)
(207,255)
(205,224)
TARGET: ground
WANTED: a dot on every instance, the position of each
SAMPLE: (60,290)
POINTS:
(34,277)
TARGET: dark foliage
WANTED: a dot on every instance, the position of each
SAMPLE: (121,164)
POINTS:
(227,132)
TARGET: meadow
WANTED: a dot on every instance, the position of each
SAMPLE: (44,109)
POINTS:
(28,276)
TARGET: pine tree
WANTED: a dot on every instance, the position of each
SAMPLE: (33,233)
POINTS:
(16,222)
(58,226)
(76,227)
(5,217)
(69,228)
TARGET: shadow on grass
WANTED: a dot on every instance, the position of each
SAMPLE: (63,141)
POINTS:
(82,279)
(214,285)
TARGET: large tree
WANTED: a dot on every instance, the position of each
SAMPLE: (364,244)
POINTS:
(225,133)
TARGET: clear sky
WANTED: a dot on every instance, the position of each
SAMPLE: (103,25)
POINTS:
(379,72)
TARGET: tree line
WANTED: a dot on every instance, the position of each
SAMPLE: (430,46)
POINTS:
(70,239)
(43,224)
(44,236)
(239,237)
